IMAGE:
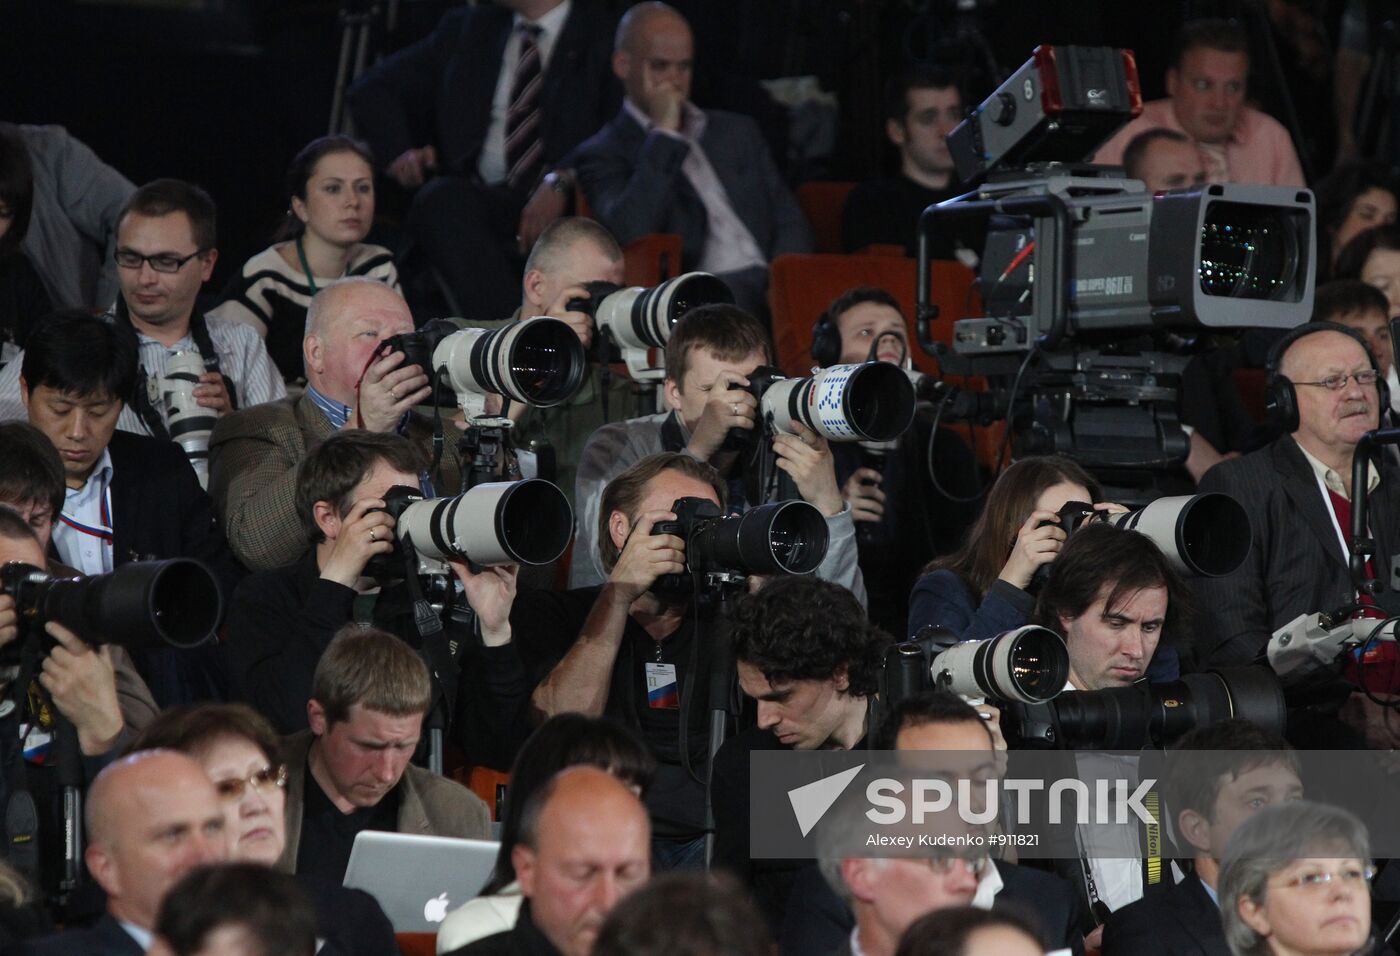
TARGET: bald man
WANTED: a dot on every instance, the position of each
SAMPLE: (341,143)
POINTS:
(664,165)
(585,843)
(152,817)
(255,453)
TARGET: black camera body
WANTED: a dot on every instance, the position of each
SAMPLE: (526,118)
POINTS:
(1073,514)
(142,604)
(785,537)
(417,347)
(391,565)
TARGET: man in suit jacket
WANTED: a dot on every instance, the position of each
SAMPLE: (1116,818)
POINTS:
(351,770)
(441,106)
(1226,773)
(129,497)
(152,817)
(255,453)
(663,165)
(1297,492)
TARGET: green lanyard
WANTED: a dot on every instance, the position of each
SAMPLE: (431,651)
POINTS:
(306,266)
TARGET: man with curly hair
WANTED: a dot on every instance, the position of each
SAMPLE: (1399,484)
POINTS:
(809,658)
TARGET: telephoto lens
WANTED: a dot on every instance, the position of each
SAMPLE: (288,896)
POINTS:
(189,422)
(141,604)
(870,401)
(1028,665)
(503,522)
(641,318)
(784,537)
(1206,534)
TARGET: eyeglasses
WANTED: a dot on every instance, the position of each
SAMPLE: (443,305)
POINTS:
(234,787)
(161,261)
(1313,882)
(1335,383)
(943,866)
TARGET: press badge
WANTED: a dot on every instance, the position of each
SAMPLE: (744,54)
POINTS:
(663,693)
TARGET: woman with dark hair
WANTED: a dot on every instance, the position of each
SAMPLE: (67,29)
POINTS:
(1373,256)
(330,195)
(980,590)
(241,753)
(566,740)
(23,300)
(1351,199)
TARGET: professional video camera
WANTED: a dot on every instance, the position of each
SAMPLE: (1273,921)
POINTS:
(633,321)
(536,361)
(1146,715)
(504,522)
(785,537)
(1084,271)
(1205,534)
(869,401)
(189,422)
(1029,665)
(142,604)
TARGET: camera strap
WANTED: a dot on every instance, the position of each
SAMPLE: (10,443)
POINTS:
(434,647)
(143,403)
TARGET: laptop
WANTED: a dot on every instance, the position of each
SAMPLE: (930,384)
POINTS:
(418,880)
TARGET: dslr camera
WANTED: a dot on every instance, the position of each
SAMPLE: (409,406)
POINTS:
(1206,534)
(785,537)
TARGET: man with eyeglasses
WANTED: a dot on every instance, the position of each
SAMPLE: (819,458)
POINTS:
(166,250)
(1298,493)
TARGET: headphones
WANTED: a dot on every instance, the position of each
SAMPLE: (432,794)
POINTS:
(1280,394)
(826,341)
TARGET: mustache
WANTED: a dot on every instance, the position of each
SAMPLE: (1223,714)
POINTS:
(1355,407)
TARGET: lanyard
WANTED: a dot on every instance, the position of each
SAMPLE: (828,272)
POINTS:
(306,266)
(104,528)
(1332,513)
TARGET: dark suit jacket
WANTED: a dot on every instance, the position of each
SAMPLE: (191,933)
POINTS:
(439,90)
(1179,920)
(819,921)
(160,511)
(525,939)
(104,938)
(634,182)
(1296,564)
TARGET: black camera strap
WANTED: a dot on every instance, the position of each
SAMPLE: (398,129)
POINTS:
(141,402)
(434,647)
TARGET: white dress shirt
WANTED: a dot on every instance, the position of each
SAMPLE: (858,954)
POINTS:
(83,532)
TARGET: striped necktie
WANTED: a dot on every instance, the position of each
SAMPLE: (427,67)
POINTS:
(524,148)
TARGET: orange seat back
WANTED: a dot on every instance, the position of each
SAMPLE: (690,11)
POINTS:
(417,944)
(823,203)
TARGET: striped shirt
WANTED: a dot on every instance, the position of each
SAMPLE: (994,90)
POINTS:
(242,358)
(272,296)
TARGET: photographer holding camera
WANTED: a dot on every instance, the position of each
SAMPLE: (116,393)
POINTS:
(629,648)
(281,621)
(713,415)
(255,453)
(898,491)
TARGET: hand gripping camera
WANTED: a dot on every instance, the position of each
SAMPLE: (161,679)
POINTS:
(785,537)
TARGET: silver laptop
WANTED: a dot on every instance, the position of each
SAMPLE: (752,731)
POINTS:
(418,880)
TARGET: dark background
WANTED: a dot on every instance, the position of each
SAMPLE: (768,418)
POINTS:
(224,92)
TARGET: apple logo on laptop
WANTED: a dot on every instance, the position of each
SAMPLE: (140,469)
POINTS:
(435,910)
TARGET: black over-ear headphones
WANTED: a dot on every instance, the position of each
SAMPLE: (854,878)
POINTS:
(826,341)
(1281,396)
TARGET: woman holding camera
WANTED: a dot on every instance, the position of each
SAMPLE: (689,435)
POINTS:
(982,589)
(330,190)
(1295,880)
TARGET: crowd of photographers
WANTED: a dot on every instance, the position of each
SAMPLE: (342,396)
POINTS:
(288,569)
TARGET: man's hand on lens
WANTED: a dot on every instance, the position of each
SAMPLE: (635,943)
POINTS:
(388,390)
(580,322)
(862,492)
(364,532)
(83,685)
(212,393)
(646,556)
(806,457)
(729,406)
(546,205)
(490,594)
(413,166)
(9,619)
